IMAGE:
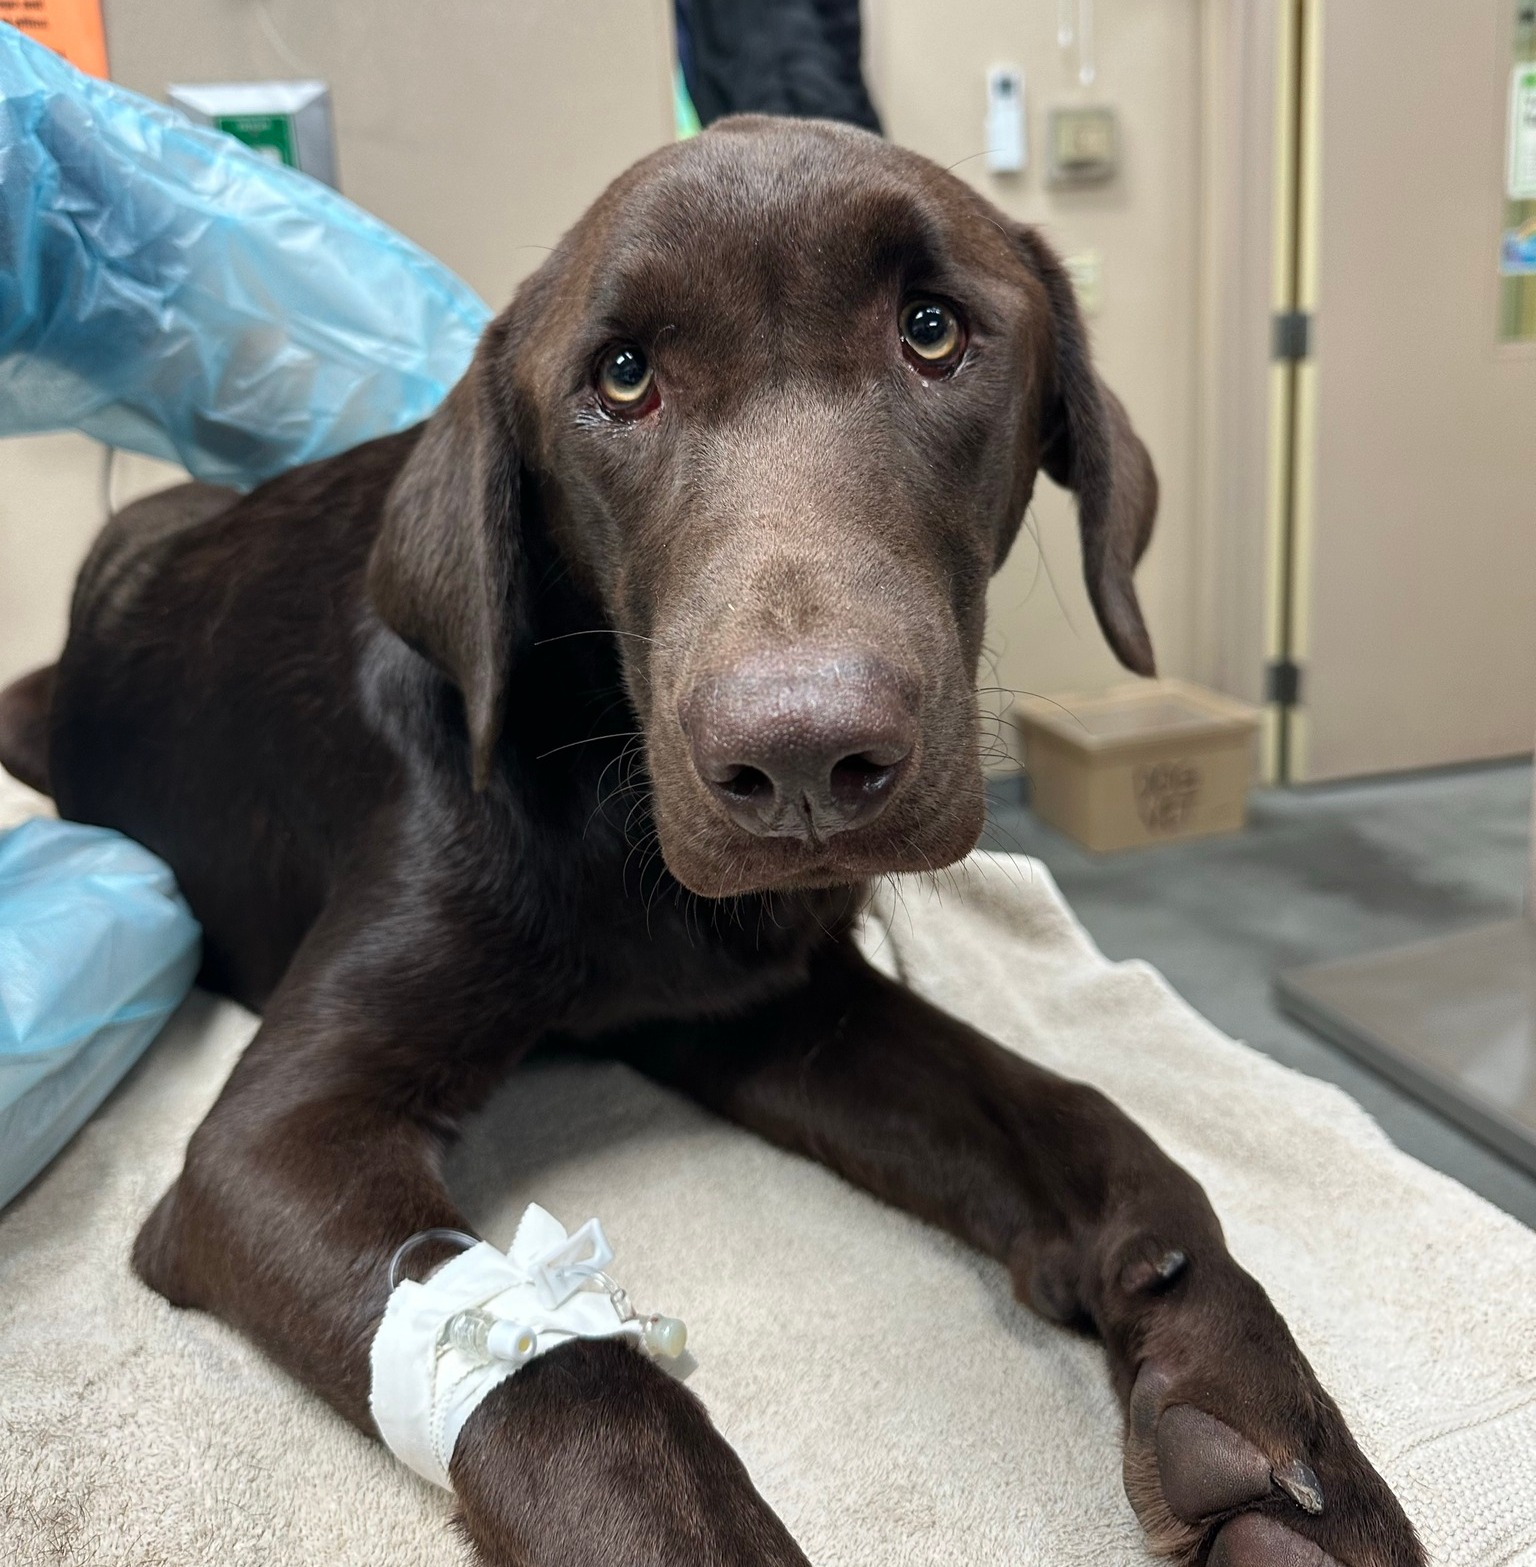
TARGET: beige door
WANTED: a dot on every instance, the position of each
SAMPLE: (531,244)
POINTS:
(1413,600)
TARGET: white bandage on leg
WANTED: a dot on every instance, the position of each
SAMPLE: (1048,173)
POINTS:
(446,1343)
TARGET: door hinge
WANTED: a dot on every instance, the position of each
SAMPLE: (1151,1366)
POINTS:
(1292,336)
(1282,683)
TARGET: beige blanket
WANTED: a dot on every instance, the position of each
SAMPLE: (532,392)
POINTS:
(887,1394)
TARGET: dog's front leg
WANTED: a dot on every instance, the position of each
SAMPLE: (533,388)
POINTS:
(1235,1456)
(322,1155)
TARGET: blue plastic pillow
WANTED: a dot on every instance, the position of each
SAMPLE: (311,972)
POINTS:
(97,949)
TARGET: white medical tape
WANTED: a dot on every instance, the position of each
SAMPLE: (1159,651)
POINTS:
(424,1389)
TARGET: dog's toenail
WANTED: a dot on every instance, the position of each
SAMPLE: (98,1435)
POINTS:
(1301,1485)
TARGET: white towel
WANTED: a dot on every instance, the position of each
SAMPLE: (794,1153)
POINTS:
(958,1429)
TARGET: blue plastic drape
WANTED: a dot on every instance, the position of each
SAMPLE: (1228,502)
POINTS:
(164,289)
(97,949)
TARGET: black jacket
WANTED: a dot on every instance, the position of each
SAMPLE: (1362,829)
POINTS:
(798,57)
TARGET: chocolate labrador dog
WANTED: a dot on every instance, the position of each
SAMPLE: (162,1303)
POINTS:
(579,715)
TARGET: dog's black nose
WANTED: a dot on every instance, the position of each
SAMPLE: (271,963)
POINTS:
(803,743)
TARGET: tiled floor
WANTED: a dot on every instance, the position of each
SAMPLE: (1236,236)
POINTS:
(1320,873)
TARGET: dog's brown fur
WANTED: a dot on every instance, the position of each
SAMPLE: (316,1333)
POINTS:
(412,725)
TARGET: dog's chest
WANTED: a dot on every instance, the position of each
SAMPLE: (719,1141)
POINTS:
(641,947)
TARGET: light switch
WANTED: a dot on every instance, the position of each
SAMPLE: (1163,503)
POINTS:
(1084,146)
(1007,152)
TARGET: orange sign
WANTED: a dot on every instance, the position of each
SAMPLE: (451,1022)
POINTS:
(71,28)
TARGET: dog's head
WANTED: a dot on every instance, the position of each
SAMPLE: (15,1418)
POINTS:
(778,402)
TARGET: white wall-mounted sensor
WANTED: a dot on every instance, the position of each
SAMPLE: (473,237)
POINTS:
(1007,149)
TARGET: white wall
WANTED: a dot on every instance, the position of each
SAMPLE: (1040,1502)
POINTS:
(926,60)
(52,501)
(479,128)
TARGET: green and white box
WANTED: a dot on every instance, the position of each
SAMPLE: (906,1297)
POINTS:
(289,122)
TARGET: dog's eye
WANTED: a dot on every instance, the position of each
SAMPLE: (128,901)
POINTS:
(625,379)
(932,333)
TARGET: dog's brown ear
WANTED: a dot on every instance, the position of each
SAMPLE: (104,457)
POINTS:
(1088,445)
(446,571)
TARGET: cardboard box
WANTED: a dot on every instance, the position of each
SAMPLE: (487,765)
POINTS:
(1146,763)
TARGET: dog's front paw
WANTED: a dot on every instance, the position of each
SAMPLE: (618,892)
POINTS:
(592,1456)
(1236,1457)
